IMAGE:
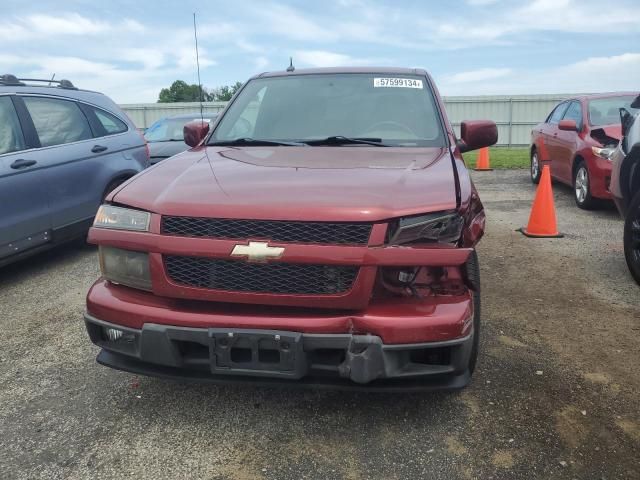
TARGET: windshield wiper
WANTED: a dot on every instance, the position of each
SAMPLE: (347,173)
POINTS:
(255,141)
(342,140)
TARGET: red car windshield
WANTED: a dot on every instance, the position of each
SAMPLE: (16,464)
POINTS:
(398,110)
(606,111)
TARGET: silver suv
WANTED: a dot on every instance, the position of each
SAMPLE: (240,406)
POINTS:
(62,150)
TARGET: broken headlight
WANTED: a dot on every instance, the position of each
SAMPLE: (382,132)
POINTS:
(605,152)
(440,227)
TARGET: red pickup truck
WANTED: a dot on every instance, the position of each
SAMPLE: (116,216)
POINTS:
(323,232)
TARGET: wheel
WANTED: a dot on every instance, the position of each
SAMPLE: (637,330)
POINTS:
(632,238)
(111,187)
(582,187)
(473,271)
(536,170)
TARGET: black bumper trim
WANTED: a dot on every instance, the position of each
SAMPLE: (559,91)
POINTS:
(362,361)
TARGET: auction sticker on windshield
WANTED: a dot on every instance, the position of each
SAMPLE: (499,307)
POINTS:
(397,82)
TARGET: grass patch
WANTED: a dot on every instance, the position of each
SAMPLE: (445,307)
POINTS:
(502,157)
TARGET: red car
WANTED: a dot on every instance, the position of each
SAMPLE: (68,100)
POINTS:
(575,141)
(323,232)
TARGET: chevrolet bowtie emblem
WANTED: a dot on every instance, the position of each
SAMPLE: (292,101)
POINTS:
(258,252)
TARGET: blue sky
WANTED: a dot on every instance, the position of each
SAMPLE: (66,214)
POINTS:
(129,50)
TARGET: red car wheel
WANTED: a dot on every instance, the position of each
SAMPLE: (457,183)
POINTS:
(582,187)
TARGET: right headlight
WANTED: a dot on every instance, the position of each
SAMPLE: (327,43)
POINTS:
(119,218)
(441,227)
(605,152)
(125,267)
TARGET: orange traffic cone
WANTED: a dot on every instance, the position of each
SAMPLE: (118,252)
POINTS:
(483,160)
(542,221)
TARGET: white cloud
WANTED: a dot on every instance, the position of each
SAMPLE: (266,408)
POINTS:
(185,57)
(290,23)
(618,72)
(261,63)
(69,24)
(148,57)
(481,2)
(594,74)
(19,29)
(133,25)
(571,16)
(479,75)
(321,58)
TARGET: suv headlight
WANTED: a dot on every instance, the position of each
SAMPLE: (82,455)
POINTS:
(125,267)
(119,218)
(442,227)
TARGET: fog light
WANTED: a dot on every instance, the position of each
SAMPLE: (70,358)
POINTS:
(113,334)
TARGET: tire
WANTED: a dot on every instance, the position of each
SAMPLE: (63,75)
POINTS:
(536,169)
(632,238)
(582,187)
(111,187)
(473,272)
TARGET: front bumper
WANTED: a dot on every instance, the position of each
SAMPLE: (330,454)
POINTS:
(600,172)
(223,355)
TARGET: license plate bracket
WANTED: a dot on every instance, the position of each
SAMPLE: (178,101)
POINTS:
(263,353)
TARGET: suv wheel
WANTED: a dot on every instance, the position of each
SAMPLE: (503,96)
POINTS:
(473,271)
(632,238)
(111,187)
(582,187)
(536,170)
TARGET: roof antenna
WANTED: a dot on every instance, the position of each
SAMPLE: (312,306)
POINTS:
(195,35)
(290,68)
(54,76)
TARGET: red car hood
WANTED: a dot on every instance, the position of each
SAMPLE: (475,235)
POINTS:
(614,131)
(296,183)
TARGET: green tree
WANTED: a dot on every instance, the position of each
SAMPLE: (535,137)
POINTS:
(181,91)
(224,93)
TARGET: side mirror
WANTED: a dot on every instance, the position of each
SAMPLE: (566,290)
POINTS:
(568,125)
(476,134)
(194,132)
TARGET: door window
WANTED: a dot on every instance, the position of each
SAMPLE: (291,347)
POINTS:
(111,124)
(557,114)
(11,139)
(57,121)
(574,112)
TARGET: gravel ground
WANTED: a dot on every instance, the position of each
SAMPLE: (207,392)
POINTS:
(554,396)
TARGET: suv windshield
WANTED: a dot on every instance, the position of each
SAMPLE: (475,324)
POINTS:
(397,110)
(606,111)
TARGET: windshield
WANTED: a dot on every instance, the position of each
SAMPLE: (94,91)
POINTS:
(606,111)
(169,129)
(397,110)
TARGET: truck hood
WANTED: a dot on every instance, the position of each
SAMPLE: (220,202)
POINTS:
(355,183)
